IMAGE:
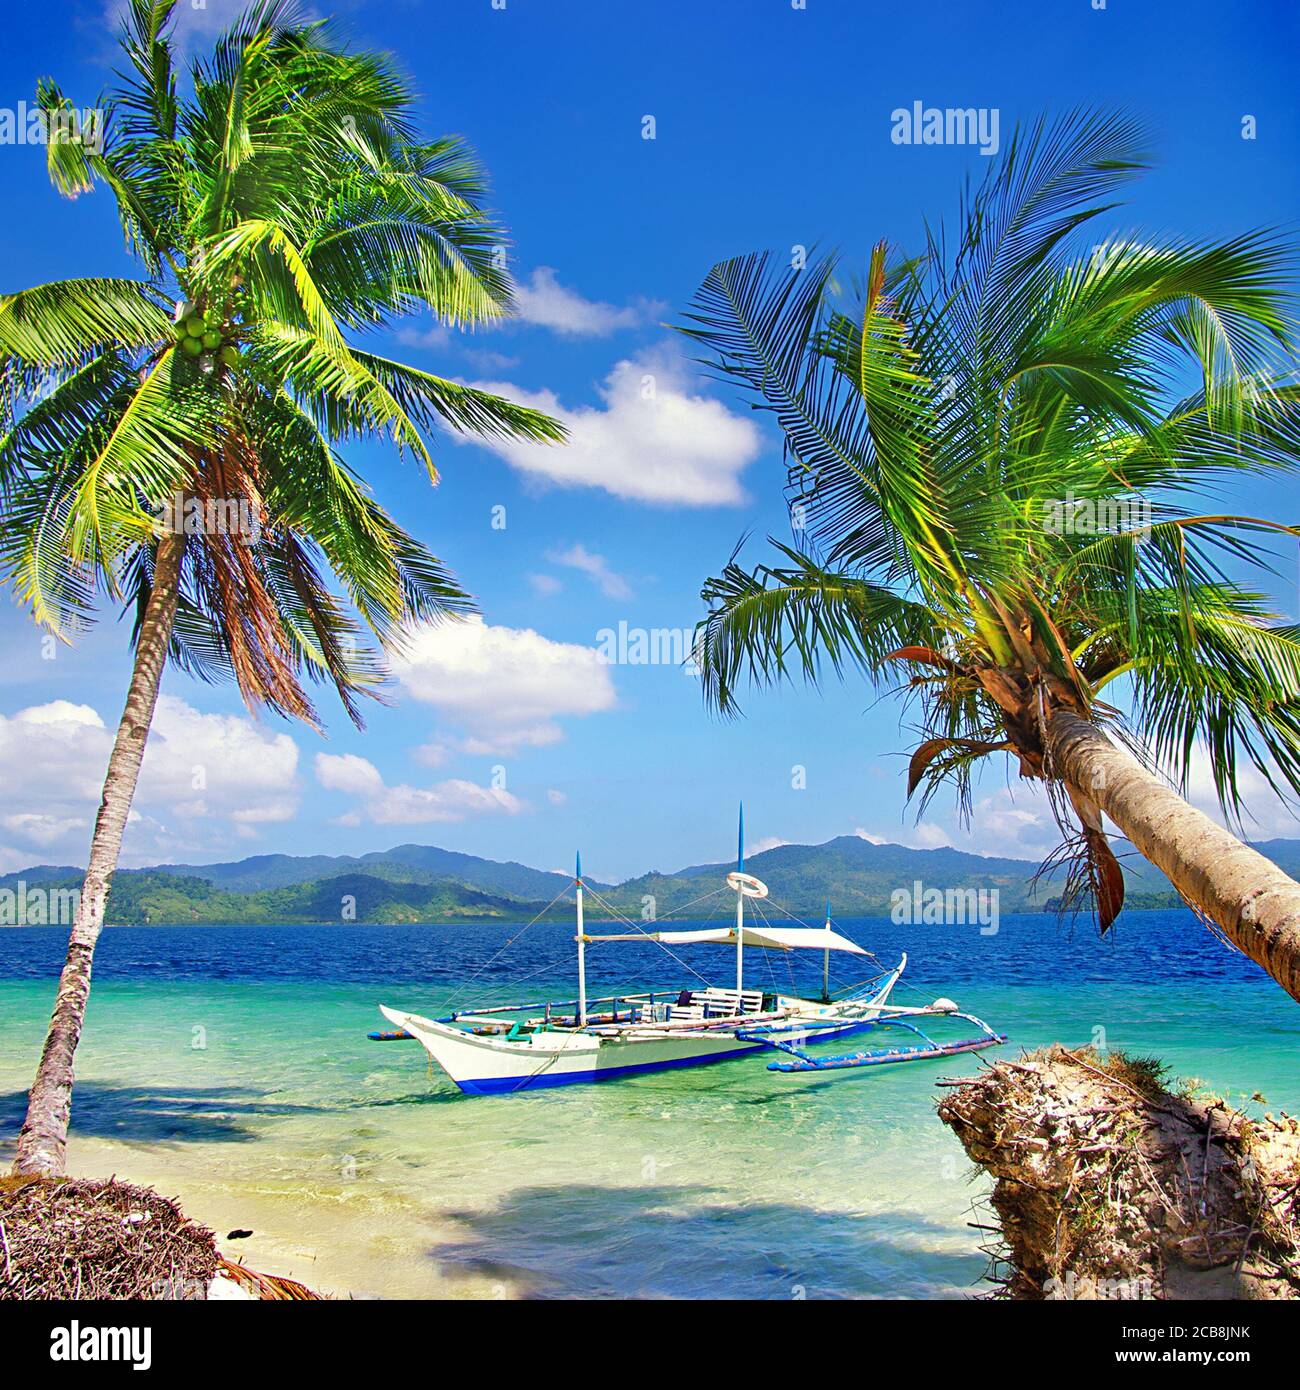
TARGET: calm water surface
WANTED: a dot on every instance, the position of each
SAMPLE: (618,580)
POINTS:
(229,1066)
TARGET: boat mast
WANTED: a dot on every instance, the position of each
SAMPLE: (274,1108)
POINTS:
(826,961)
(582,944)
(740,904)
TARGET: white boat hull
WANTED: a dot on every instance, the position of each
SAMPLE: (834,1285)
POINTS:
(489,1064)
(484,1066)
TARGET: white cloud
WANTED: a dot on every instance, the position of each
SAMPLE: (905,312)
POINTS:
(236,767)
(195,26)
(505,687)
(346,772)
(926,835)
(52,758)
(452,800)
(44,830)
(768,842)
(434,754)
(595,567)
(545,303)
(545,585)
(435,338)
(652,438)
(540,302)
(556,798)
(510,740)
(1265,817)
(204,777)
(281,809)
(489,360)
(1013,823)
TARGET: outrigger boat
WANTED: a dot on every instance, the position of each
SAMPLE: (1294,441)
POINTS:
(506,1048)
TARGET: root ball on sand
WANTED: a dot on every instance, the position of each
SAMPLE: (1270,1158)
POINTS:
(64,1238)
(1109,1185)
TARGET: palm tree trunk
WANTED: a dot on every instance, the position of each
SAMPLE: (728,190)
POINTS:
(43,1140)
(1255,904)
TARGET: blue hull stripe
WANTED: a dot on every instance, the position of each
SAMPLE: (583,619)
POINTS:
(507,1085)
(501,1085)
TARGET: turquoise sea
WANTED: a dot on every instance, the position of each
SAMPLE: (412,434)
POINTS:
(229,1067)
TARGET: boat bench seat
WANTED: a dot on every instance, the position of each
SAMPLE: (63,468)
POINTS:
(694,1006)
(726,1003)
(719,1003)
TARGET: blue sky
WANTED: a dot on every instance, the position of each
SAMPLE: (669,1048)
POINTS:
(772,128)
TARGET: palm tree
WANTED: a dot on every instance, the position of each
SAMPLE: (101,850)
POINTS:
(284,197)
(994,453)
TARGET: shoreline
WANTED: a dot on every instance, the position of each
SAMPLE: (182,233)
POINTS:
(328,1240)
(561,918)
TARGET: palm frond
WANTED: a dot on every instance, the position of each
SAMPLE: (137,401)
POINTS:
(775,624)
(286,195)
(65,323)
(938,414)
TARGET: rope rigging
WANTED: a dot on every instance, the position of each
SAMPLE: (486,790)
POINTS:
(465,984)
(761,910)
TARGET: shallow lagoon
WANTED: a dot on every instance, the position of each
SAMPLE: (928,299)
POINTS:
(229,1066)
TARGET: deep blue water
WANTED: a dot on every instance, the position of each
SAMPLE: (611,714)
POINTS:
(1169,948)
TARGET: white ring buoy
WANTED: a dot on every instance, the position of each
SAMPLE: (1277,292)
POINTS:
(747,884)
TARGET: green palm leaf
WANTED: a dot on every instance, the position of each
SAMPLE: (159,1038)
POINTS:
(940,413)
(286,196)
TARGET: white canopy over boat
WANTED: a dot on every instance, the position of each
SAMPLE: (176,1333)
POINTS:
(771,938)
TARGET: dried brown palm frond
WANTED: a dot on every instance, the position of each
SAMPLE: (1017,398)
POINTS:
(270,1288)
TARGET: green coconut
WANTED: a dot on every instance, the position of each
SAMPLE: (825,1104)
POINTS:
(191,347)
(230,356)
(212,339)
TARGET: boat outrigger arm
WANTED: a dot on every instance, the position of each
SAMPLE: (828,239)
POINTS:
(511,1047)
(890,1017)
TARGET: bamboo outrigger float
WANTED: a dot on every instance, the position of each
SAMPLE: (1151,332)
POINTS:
(506,1048)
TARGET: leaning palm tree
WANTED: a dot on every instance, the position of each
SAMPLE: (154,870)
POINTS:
(996,453)
(183,462)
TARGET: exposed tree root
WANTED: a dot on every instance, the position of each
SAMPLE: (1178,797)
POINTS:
(1110,1186)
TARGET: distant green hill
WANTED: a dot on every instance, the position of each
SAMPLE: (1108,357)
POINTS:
(422,883)
(151,896)
(858,878)
(407,863)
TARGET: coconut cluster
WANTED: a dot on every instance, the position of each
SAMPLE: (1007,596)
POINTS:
(205,338)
